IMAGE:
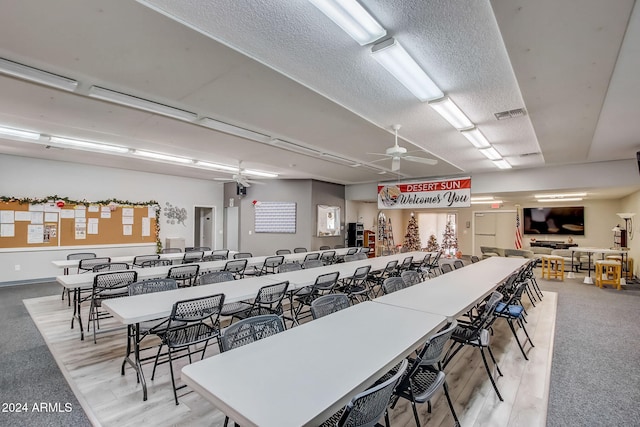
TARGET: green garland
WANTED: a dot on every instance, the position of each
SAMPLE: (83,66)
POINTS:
(68,201)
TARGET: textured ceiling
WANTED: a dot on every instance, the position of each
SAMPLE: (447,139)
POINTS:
(285,70)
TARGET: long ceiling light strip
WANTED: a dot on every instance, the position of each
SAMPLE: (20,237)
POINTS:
(233,130)
(19,133)
(476,138)
(568,199)
(216,166)
(502,164)
(559,196)
(353,19)
(140,103)
(162,157)
(35,75)
(260,174)
(88,145)
(397,61)
(451,113)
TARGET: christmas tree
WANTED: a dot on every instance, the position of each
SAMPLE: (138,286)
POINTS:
(412,238)
(432,244)
(449,240)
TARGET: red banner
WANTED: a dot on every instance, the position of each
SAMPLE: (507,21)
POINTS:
(442,193)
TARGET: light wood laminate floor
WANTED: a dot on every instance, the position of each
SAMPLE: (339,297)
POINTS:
(93,371)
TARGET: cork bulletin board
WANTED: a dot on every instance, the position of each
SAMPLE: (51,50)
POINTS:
(51,224)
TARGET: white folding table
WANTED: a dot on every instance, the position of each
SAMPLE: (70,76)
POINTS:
(133,310)
(453,294)
(303,375)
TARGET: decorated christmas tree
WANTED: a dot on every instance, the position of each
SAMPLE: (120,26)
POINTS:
(412,238)
(432,244)
(449,240)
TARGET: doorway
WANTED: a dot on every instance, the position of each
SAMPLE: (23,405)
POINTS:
(204,226)
(493,228)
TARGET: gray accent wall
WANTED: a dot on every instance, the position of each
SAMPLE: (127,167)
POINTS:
(306,194)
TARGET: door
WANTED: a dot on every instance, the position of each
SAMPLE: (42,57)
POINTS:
(232,228)
(204,227)
(496,229)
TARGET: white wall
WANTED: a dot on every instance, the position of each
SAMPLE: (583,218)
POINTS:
(35,178)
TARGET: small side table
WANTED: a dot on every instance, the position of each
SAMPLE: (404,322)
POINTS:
(552,267)
(608,272)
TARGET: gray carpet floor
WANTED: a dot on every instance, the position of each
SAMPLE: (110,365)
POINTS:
(595,375)
(30,376)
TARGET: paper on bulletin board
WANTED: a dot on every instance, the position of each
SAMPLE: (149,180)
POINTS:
(146,227)
(23,216)
(50,232)
(127,230)
(6,217)
(127,220)
(36,208)
(51,217)
(105,212)
(67,213)
(35,233)
(80,212)
(151,211)
(94,208)
(7,230)
(92,226)
(51,207)
(127,212)
(81,230)
(37,217)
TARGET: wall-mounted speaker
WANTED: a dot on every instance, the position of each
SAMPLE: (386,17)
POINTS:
(241,190)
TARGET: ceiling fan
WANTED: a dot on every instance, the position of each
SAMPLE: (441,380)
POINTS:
(396,153)
(239,177)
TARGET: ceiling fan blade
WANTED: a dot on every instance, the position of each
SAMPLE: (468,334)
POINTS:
(421,160)
(395,164)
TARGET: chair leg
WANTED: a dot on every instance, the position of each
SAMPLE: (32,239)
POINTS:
(493,359)
(155,363)
(453,411)
(173,380)
(525,332)
(515,335)
(493,382)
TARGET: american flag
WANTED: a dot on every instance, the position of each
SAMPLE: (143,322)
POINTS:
(518,233)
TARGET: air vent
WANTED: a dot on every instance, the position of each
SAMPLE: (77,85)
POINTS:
(511,114)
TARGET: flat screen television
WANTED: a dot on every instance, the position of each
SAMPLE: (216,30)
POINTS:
(554,220)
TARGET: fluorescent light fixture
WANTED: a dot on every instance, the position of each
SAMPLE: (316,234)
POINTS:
(491,153)
(140,103)
(482,198)
(35,75)
(160,156)
(569,199)
(502,164)
(338,159)
(233,130)
(485,202)
(19,133)
(476,138)
(259,173)
(88,145)
(451,113)
(216,166)
(559,196)
(392,56)
(301,149)
(352,18)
